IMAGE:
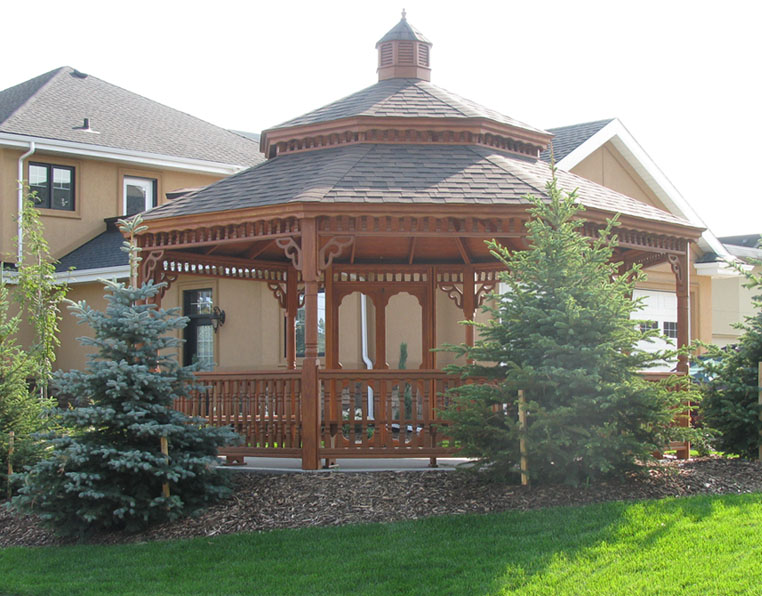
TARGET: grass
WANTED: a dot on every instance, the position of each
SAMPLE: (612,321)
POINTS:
(698,545)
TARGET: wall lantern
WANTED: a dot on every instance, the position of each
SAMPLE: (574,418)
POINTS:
(217,317)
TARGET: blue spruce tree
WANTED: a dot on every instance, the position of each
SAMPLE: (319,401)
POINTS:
(108,472)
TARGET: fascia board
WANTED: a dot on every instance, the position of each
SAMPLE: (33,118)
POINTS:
(719,269)
(122,155)
(81,276)
(647,169)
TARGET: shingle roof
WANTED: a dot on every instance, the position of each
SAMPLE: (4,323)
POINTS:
(403,31)
(412,98)
(748,240)
(567,138)
(54,105)
(399,174)
(102,251)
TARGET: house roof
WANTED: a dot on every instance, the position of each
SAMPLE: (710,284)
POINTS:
(747,240)
(404,98)
(399,174)
(567,138)
(55,104)
(103,251)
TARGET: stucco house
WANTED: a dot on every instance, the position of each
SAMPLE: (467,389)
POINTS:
(94,152)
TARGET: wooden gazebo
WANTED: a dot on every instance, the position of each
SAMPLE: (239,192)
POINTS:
(393,189)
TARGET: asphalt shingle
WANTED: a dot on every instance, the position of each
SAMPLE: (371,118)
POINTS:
(54,106)
(567,138)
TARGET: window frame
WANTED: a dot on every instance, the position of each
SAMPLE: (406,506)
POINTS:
(196,320)
(50,168)
(153,185)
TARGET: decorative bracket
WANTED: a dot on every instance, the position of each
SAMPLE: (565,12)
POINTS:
(281,295)
(152,268)
(483,290)
(677,268)
(454,293)
(292,249)
(332,249)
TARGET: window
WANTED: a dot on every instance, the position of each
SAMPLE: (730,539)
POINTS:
(648,325)
(139,195)
(199,333)
(53,186)
(300,316)
(670,329)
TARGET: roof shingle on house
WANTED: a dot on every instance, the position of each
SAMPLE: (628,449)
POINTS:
(105,250)
(55,104)
(399,174)
(567,138)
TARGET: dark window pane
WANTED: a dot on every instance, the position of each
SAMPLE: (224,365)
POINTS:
(199,334)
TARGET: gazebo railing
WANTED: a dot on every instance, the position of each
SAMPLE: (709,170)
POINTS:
(264,408)
(384,413)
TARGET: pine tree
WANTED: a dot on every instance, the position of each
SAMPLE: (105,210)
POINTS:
(562,332)
(108,471)
(731,403)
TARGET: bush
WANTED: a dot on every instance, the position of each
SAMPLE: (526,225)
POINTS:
(730,404)
(108,472)
(562,332)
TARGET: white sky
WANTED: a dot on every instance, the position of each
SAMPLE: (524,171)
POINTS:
(682,76)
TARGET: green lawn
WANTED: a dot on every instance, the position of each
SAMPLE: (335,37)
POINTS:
(697,545)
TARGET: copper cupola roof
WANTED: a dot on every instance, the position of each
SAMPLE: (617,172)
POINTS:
(404,53)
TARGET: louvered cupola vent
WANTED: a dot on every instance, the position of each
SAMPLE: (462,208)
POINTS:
(403,53)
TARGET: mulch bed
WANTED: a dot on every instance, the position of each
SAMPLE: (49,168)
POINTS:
(266,501)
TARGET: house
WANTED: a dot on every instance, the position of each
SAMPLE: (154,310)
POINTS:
(364,229)
(94,152)
(731,301)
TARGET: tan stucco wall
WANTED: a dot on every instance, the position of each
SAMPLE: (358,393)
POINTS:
(607,167)
(98,195)
(71,354)
(731,303)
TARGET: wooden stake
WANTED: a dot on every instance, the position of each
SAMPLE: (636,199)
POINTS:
(11,437)
(522,438)
(165,453)
(759,400)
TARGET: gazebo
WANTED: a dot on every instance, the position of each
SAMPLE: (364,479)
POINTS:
(391,190)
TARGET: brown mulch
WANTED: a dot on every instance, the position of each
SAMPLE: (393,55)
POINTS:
(266,501)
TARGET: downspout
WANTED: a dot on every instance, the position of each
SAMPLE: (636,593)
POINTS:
(20,256)
(364,341)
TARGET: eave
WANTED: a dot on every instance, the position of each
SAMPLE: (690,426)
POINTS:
(165,162)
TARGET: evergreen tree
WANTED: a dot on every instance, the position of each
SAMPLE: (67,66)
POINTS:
(562,332)
(731,402)
(108,472)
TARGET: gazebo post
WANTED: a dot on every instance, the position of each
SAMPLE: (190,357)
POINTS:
(681,268)
(469,302)
(292,305)
(310,382)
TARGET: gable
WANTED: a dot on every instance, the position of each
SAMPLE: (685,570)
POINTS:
(607,167)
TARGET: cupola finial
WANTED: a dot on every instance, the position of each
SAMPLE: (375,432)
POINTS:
(404,15)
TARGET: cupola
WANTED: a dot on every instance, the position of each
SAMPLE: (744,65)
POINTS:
(404,53)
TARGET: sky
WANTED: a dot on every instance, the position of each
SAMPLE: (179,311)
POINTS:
(684,77)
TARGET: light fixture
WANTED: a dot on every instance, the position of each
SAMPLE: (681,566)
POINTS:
(217,317)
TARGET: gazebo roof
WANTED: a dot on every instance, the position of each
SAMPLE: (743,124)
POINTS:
(403,98)
(438,175)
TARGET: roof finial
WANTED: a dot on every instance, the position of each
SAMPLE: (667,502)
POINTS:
(404,14)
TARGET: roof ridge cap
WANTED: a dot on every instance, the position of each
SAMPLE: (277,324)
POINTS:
(362,149)
(33,97)
(458,108)
(488,155)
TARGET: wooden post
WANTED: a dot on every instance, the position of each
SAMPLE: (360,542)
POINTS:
(469,303)
(759,400)
(292,305)
(310,388)
(165,453)
(522,438)
(11,437)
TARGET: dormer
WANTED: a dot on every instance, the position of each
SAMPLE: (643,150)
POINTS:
(404,53)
